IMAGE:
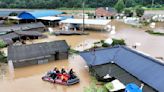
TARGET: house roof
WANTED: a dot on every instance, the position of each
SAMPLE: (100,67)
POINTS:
(38,13)
(7,13)
(105,11)
(7,38)
(4,13)
(143,67)
(32,51)
(87,21)
(29,33)
(18,27)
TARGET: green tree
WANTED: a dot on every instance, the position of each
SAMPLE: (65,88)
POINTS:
(119,6)
(2,44)
(130,3)
(128,12)
(139,11)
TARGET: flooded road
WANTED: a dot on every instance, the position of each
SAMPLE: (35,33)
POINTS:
(28,79)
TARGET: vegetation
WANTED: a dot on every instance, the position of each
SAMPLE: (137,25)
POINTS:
(120,6)
(128,12)
(115,42)
(139,11)
(54,4)
(72,51)
(118,42)
(2,44)
(155,33)
(3,58)
(95,88)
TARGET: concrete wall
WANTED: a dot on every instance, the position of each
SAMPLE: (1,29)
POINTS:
(32,62)
(53,57)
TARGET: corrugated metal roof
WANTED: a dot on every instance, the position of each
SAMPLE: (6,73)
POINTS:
(4,13)
(18,27)
(38,13)
(7,13)
(24,52)
(143,67)
(29,33)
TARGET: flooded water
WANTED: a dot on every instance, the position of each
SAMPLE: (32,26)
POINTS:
(28,79)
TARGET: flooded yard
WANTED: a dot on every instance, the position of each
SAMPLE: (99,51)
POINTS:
(28,79)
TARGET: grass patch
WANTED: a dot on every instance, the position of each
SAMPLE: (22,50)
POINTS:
(95,88)
(2,44)
(72,51)
(161,8)
(155,33)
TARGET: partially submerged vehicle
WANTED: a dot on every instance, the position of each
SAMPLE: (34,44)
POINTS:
(58,79)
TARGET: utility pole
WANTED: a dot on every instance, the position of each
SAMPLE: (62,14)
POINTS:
(83,16)
(152,4)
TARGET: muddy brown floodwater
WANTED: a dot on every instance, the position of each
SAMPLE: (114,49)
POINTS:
(28,79)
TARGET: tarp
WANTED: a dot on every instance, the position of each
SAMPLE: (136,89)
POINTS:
(132,88)
(86,21)
(38,13)
(115,85)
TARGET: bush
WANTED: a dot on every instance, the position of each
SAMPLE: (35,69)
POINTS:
(128,12)
(155,33)
(3,58)
(102,41)
(72,51)
(139,11)
(105,45)
(90,14)
(118,42)
(2,44)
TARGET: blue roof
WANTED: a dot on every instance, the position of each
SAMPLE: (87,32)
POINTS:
(66,17)
(132,88)
(38,13)
(143,67)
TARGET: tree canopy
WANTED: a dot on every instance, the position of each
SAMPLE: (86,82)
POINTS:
(52,4)
(120,5)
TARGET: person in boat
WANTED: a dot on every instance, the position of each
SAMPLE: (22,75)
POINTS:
(72,74)
(63,71)
(54,73)
(64,75)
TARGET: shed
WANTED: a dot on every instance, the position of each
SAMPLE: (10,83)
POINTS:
(12,37)
(38,26)
(24,55)
(129,66)
(33,15)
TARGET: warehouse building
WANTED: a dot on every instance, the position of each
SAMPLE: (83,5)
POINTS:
(40,53)
(127,65)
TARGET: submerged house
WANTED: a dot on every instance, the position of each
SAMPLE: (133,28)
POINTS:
(127,65)
(40,53)
(11,34)
(12,37)
(106,12)
(38,26)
